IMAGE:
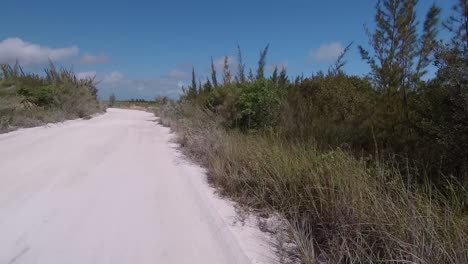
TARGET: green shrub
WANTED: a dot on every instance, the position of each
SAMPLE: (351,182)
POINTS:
(258,105)
(328,108)
(43,96)
(111,102)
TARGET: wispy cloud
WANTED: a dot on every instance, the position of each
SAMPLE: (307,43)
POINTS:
(326,52)
(125,88)
(179,74)
(113,78)
(86,75)
(90,59)
(219,63)
(12,49)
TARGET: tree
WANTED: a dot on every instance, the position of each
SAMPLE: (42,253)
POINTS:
(457,24)
(192,91)
(226,71)
(429,42)
(240,67)
(283,78)
(406,33)
(274,76)
(111,100)
(340,62)
(442,114)
(161,100)
(251,77)
(213,74)
(207,87)
(396,48)
(262,63)
(442,104)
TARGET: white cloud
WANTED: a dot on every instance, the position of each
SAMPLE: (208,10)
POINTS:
(12,49)
(327,52)
(86,75)
(180,84)
(113,78)
(90,59)
(116,82)
(179,74)
(145,89)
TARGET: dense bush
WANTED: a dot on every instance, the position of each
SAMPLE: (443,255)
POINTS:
(258,105)
(441,116)
(328,108)
(32,99)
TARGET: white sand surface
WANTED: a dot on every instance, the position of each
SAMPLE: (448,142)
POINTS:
(114,189)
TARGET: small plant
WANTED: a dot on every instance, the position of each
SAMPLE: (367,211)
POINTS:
(111,102)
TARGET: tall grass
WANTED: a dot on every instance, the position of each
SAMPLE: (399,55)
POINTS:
(28,99)
(340,209)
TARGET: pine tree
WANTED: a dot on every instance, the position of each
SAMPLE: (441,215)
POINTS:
(207,87)
(429,41)
(274,76)
(283,77)
(262,63)
(200,87)
(457,24)
(395,50)
(406,33)
(240,67)
(340,61)
(192,89)
(111,100)
(298,80)
(226,71)
(251,77)
(213,74)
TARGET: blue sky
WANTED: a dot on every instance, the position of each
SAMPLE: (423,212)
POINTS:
(141,49)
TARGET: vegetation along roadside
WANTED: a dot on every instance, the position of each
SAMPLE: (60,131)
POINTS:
(28,99)
(364,169)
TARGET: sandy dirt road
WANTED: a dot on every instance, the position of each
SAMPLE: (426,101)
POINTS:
(112,189)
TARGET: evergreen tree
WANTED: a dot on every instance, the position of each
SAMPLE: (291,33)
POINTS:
(395,51)
(192,89)
(213,74)
(340,62)
(457,24)
(226,71)
(111,100)
(406,34)
(240,67)
(262,63)
(429,41)
(207,87)
(274,76)
(283,77)
(251,77)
